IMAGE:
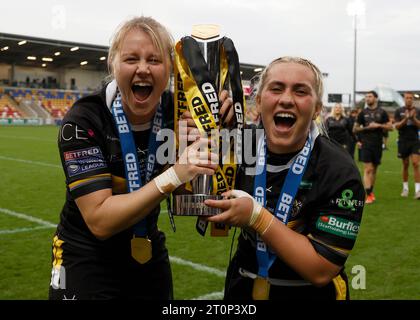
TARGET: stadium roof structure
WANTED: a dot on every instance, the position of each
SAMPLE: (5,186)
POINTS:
(39,52)
(249,71)
(34,52)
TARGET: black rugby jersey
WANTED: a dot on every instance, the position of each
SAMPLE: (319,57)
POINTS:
(327,208)
(409,132)
(367,116)
(91,156)
(339,130)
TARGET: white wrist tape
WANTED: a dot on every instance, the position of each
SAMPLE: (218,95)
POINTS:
(256,210)
(167,181)
(255,213)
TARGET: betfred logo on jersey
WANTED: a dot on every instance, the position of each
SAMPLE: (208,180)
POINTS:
(338,226)
(83,161)
(82,153)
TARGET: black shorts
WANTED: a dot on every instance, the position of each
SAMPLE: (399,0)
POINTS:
(371,153)
(407,148)
(88,274)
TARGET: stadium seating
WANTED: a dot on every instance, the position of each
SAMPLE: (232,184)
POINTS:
(7,110)
(55,102)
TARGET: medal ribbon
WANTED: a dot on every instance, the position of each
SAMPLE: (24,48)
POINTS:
(129,153)
(288,192)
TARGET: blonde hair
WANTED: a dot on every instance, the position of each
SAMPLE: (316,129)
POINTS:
(160,36)
(332,113)
(319,85)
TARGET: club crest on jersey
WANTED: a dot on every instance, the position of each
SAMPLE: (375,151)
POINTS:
(297,206)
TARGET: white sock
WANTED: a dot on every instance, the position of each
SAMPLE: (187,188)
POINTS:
(417,187)
(405,185)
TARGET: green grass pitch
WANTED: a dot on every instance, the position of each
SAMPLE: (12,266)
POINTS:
(32,184)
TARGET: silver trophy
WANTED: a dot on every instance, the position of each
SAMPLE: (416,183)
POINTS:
(207,37)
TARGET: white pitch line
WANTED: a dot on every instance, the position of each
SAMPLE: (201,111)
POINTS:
(391,172)
(197,266)
(19,230)
(211,296)
(47,224)
(180,261)
(28,217)
(194,265)
(38,163)
(27,138)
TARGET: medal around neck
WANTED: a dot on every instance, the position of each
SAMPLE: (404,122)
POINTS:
(141,246)
(141,249)
(261,289)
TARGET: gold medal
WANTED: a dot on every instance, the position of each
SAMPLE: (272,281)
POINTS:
(141,249)
(261,289)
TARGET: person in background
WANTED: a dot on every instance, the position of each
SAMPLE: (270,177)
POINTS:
(339,127)
(370,124)
(407,122)
(252,115)
(300,205)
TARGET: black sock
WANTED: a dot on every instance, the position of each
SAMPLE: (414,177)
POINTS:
(368,191)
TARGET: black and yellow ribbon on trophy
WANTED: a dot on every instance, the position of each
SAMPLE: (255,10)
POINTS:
(204,65)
